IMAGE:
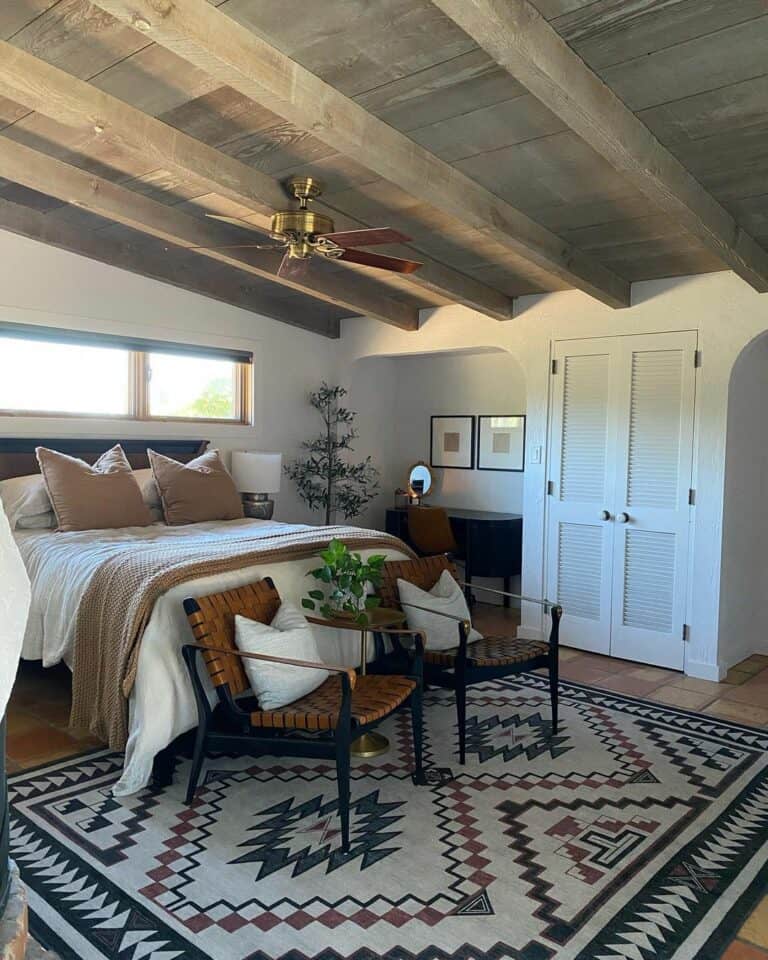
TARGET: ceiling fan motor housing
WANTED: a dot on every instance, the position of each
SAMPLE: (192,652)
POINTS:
(299,225)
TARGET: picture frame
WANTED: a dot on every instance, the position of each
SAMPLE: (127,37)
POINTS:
(452,442)
(501,442)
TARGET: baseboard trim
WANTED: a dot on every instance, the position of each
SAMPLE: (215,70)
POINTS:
(705,671)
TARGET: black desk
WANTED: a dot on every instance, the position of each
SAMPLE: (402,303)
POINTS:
(491,543)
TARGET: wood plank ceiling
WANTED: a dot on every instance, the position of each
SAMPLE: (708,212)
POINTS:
(423,128)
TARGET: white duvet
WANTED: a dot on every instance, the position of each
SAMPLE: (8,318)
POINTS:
(161,706)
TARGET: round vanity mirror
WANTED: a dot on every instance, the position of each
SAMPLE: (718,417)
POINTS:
(419,480)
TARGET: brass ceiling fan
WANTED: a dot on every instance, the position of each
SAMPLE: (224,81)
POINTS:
(304,234)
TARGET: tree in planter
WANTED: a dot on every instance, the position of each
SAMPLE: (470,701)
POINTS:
(324,478)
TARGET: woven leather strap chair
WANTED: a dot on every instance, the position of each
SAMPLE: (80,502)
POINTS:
(468,663)
(321,724)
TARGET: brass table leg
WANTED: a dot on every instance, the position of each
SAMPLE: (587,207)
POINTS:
(370,744)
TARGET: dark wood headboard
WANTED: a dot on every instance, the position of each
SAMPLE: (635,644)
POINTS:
(17,454)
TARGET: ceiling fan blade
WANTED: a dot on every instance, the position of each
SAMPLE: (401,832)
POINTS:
(365,238)
(235,221)
(293,268)
(383,263)
(240,246)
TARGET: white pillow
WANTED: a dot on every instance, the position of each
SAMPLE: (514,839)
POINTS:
(149,492)
(289,635)
(38,521)
(24,497)
(441,633)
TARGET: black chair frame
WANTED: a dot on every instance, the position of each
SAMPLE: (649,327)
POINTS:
(227,728)
(463,673)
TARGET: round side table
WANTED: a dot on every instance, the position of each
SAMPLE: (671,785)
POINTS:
(370,744)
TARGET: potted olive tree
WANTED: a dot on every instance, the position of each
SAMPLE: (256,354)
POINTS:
(325,478)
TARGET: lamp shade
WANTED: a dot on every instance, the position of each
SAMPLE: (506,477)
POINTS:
(255,472)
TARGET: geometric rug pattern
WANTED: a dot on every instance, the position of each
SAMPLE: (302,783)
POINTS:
(639,832)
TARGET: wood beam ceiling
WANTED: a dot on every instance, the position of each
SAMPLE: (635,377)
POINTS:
(56,94)
(520,40)
(26,222)
(72,185)
(215,43)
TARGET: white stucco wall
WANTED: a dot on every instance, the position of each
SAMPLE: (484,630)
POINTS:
(40,284)
(744,578)
(459,383)
(726,313)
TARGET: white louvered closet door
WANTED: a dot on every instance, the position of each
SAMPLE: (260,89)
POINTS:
(652,512)
(581,488)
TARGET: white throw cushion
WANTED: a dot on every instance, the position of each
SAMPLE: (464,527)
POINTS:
(289,635)
(149,492)
(37,521)
(23,498)
(446,596)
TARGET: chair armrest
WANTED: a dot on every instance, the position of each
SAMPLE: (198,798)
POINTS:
(437,613)
(330,667)
(418,635)
(464,625)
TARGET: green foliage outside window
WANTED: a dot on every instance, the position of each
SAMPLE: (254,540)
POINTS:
(215,402)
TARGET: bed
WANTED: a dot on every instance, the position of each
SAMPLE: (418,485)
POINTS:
(70,571)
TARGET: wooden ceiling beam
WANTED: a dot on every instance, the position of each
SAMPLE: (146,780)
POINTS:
(34,225)
(209,39)
(520,40)
(54,93)
(109,200)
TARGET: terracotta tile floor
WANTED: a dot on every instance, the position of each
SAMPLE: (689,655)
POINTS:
(38,713)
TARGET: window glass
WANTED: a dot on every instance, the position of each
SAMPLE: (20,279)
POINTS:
(192,387)
(63,378)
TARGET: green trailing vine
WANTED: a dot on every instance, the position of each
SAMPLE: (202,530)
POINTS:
(345,577)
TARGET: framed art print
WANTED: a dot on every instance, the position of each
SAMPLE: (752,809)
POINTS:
(501,443)
(453,442)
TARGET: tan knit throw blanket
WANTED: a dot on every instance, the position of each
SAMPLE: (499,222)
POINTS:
(118,603)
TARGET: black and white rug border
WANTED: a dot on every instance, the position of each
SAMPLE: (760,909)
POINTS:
(755,793)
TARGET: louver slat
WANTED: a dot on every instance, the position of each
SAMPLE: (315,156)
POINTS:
(585,417)
(579,570)
(654,429)
(649,580)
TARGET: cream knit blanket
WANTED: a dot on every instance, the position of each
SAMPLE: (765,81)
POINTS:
(118,602)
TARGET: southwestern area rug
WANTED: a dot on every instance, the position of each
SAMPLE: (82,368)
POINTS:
(640,831)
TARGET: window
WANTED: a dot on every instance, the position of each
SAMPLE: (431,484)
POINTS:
(108,378)
(47,377)
(195,387)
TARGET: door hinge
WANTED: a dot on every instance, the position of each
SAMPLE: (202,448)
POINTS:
(691,497)
(550,488)
(697,358)
(554,367)
(686,633)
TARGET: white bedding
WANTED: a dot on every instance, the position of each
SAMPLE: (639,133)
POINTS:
(161,705)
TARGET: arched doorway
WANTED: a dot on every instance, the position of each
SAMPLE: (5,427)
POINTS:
(396,397)
(744,569)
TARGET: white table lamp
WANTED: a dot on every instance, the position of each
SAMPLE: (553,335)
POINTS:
(256,475)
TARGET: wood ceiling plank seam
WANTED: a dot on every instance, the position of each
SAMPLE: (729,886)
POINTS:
(34,225)
(499,305)
(37,16)
(210,39)
(45,174)
(519,39)
(80,105)
(653,16)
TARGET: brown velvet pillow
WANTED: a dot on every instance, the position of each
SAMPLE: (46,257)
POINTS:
(196,491)
(99,497)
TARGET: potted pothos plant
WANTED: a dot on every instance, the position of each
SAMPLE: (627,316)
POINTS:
(345,577)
